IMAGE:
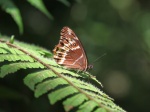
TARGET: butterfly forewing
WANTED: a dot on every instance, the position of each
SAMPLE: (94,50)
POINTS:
(69,51)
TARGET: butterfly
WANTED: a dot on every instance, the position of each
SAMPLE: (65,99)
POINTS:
(69,51)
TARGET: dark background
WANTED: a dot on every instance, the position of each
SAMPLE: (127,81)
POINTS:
(119,28)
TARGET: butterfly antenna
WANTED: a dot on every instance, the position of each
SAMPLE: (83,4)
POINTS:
(99,57)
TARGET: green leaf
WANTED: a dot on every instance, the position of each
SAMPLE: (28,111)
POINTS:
(88,106)
(11,68)
(101,110)
(12,57)
(9,7)
(12,39)
(74,101)
(49,85)
(32,79)
(40,5)
(61,93)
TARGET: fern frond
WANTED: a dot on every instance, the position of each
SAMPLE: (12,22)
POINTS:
(11,68)
(75,100)
(52,80)
(32,79)
(13,57)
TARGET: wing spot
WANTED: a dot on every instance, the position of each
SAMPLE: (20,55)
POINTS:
(59,55)
(62,44)
(74,44)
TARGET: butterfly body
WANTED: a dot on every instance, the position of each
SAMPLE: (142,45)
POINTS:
(69,51)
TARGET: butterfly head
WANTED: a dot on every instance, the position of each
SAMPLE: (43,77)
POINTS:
(90,67)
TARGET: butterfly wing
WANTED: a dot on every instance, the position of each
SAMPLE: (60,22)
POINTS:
(69,51)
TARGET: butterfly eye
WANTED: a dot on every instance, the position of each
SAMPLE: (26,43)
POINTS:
(74,44)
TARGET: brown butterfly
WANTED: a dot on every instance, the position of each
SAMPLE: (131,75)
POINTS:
(69,51)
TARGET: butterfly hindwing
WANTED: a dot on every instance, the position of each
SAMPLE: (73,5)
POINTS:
(69,51)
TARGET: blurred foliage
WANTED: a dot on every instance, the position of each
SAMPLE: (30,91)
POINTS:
(120,28)
(9,7)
